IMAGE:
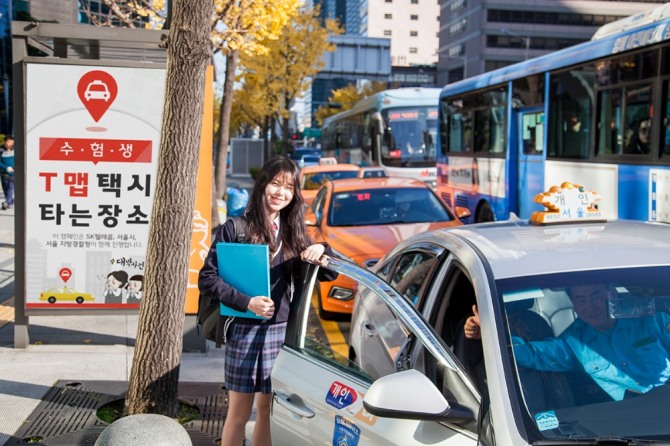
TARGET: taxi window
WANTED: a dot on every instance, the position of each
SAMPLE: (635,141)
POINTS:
(410,274)
(385,269)
(317,205)
(326,341)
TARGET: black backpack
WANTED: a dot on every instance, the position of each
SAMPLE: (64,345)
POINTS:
(210,323)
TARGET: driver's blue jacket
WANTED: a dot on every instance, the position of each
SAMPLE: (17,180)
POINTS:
(633,356)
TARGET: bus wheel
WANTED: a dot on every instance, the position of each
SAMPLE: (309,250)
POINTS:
(484,214)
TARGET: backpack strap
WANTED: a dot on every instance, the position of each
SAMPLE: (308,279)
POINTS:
(239,228)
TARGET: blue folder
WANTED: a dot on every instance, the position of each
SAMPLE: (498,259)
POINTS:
(246,268)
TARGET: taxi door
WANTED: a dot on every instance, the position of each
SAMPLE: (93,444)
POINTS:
(318,394)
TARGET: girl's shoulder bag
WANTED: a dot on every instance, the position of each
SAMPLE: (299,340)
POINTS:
(210,323)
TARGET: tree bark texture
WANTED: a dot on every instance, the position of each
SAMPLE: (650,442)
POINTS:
(154,375)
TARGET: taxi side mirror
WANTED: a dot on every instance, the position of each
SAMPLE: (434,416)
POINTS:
(310,217)
(410,395)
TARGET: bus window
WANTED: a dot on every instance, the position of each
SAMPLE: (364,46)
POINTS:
(638,120)
(628,68)
(610,131)
(571,108)
(489,130)
(529,91)
(367,131)
(532,133)
(666,120)
(460,132)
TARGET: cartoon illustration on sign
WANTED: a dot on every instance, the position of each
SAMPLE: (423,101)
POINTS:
(199,246)
(115,287)
(65,293)
(135,285)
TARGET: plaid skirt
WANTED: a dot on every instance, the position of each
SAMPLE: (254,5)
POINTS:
(251,351)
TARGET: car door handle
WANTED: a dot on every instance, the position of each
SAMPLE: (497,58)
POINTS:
(284,402)
(367,328)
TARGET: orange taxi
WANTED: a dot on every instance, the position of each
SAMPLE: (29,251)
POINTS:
(362,219)
(312,177)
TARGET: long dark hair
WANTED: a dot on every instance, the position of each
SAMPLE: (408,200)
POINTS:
(291,218)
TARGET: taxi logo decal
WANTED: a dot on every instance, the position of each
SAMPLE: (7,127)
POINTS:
(346,433)
(340,396)
(546,420)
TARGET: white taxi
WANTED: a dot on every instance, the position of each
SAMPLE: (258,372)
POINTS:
(553,364)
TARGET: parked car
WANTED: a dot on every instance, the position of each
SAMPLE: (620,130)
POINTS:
(426,384)
(299,152)
(362,219)
(308,160)
(65,293)
(312,177)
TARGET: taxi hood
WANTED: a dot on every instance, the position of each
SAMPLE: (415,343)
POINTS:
(360,243)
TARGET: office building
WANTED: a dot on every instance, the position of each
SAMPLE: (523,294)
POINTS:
(481,35)
(412,26)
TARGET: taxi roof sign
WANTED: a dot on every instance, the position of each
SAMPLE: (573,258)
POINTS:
(567,203)
(328,160)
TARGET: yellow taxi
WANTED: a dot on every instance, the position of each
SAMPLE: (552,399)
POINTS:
(66,293)
(312,177)
(362,219)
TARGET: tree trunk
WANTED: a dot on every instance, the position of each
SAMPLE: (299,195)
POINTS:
(286,138)
(154,376)
(265,131)
(224,125)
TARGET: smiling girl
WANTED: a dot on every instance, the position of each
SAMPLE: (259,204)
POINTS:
(275,217)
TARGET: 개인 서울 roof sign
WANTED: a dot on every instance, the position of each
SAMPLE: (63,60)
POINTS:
(567,203)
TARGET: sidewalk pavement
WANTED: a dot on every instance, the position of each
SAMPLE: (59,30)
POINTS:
(76,347)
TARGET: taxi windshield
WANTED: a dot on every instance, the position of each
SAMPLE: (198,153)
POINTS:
(590,352)
(386,206)
(314,181)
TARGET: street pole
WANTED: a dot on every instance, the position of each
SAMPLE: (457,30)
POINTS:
(526,40)
(463,58)
(5,77)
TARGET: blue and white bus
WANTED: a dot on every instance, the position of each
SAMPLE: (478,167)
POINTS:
(595,114)
(396,129)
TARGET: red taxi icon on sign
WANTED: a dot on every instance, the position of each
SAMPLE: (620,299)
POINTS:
(97,90)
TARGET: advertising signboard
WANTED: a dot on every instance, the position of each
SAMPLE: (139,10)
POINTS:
(92,137)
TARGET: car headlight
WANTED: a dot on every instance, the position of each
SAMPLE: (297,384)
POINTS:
(340,293)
